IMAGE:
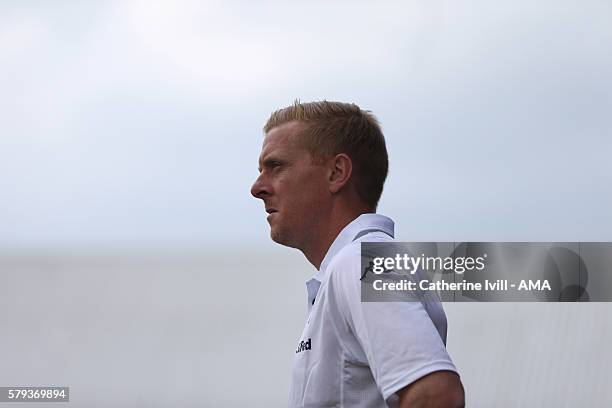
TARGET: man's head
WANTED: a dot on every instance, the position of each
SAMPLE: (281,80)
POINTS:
(316,157)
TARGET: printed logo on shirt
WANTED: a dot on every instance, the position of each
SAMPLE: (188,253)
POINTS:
(303,346)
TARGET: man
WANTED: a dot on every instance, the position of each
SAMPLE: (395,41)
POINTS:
(322,169)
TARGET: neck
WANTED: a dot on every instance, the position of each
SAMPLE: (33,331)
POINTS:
(329,229)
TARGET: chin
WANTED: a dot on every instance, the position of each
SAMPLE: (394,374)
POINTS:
(276,237)
(280,238)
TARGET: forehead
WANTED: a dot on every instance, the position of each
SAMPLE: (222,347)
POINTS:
(283,139)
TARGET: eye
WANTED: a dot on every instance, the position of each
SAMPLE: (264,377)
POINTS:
(273,165)
(276,165)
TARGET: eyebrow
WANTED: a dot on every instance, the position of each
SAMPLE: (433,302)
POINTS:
(269,161)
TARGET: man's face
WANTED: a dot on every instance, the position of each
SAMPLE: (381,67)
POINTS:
(293,188)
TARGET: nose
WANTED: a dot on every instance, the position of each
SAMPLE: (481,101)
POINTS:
(260,189)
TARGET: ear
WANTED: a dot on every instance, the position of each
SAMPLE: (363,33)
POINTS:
(341,168)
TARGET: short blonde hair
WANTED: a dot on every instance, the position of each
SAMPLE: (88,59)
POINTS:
(331,128)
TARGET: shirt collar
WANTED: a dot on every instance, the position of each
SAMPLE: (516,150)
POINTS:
(357,228)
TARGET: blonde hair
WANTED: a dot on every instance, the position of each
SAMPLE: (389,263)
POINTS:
(331,128)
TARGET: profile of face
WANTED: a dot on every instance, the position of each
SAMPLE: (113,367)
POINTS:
(294,189)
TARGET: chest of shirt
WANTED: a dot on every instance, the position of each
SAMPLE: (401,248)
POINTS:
(326,372)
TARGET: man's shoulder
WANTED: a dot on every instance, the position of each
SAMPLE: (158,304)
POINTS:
(348,260)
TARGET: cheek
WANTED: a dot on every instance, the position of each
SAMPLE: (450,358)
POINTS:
(312,192)
(319,185)
(310,185)
(303,188)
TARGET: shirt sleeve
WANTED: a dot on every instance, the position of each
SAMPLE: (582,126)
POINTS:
(399,339)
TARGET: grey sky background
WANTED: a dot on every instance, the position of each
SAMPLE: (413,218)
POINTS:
(137,124)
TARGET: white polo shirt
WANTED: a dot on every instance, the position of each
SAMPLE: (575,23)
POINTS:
(353,354)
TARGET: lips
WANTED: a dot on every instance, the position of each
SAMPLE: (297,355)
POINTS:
(271,212)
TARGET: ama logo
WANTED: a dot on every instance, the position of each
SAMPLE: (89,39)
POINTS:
(303,346)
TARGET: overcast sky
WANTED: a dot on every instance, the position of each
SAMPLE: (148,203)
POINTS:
(137,124)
